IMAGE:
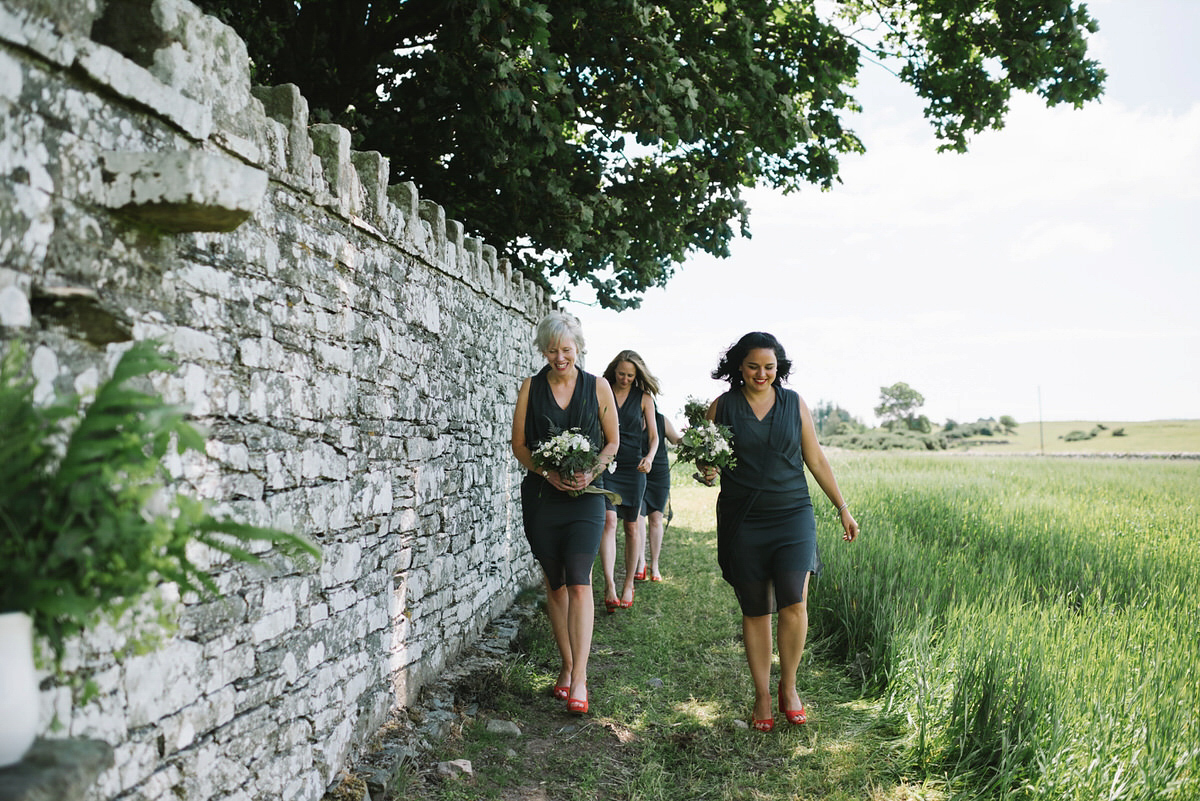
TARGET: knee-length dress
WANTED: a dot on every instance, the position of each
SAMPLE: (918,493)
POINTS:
(658,480)
(766,530)
(563,530)
(626,480)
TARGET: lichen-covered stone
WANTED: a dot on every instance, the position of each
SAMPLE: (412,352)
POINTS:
(353,357)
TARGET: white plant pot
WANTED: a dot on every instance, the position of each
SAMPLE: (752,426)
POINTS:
(18,687)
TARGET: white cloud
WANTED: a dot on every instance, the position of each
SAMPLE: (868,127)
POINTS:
(1045,240)
(1060,252)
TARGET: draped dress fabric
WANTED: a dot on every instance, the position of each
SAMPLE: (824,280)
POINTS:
(626,480)
(563,530)
(766,530)
(658,480)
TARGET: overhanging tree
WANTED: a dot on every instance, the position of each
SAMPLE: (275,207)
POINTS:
(603,141)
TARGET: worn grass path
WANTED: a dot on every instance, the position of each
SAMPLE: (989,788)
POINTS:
(670,694)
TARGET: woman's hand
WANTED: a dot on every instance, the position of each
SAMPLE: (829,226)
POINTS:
(706,474)
(573,482)
(645,464)
(849,525)
(583,479)
(559,481)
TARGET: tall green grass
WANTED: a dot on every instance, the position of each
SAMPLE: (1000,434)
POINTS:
(1034,622)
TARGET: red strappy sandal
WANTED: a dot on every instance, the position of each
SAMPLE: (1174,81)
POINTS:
(796,717)
(578,706)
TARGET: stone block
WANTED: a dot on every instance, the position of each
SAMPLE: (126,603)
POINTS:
(287,106)
(56,769)
(182,191)
(133,82)
(435,217)
(205,60)
(373,172)
(331,145)
(40,25)
(14,308)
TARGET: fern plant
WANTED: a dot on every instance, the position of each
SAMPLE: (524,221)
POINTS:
(88,522)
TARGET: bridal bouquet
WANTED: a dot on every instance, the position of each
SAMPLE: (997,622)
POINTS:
(704,442)
(570,452)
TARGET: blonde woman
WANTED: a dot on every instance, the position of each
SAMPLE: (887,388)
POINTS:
(634,388)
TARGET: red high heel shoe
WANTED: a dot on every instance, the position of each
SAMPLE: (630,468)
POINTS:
(578,706)
(795,717)
(611,606)
(764,725)
(640,575)
(626,604)
(562,691)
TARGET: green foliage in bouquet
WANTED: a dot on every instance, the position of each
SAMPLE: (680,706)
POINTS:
(87,522)
(694,410)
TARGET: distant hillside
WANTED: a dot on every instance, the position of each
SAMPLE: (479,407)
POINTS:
(1156,436)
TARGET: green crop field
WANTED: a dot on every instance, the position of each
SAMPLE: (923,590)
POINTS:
(1157,436)
(1005,628)
(1030,623)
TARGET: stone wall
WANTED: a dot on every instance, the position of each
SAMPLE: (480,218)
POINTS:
(353,356)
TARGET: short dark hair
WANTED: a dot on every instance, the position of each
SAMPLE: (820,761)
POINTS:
(730,367)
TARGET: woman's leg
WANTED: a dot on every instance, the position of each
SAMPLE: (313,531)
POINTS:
(793,632)
(756,635)
(557,606)
(608,555)
(640,568)
(581,619)
(654,533)
(633,541)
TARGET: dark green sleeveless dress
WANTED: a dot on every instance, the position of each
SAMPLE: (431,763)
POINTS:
(563,530)
(626,480)
(658,480)
(766,530)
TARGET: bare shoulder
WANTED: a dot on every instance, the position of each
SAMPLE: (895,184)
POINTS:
(604,392)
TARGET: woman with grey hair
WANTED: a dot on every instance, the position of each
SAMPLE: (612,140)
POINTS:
(563,524)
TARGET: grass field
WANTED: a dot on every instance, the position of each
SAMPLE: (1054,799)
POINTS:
(1157,436)
(1031,620)
(1007,628)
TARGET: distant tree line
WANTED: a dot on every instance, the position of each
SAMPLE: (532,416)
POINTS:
(903,427)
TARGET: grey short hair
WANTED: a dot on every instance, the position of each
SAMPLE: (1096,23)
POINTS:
(558,326)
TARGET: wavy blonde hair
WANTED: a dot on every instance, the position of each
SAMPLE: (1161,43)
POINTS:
(644,380)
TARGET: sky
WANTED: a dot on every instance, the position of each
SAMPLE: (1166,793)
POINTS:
(1052,272)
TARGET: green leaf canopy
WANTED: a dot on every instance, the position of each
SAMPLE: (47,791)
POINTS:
(603,141)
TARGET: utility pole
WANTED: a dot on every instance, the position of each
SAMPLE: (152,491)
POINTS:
(1041,430)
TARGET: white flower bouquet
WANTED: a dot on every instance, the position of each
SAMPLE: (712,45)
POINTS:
(570,452)
(706,443)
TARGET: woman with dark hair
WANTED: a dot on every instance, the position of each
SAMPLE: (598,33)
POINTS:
(766,530)
(634,389)
(562,524)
